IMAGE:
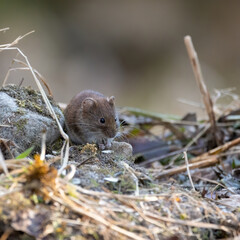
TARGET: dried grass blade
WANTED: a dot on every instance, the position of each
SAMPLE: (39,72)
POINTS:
(65,148)
(188,171)
(6,46)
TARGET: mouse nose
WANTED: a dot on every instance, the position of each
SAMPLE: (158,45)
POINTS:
(111,133)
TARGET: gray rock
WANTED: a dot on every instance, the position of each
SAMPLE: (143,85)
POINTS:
(122,150)
(24,116)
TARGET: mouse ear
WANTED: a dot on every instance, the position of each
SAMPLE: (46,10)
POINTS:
(111,100)
(88,103)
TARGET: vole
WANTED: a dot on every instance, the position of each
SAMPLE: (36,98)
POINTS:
(90,117)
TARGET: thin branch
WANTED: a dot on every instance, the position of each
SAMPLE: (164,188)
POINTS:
(188,171)
(204,163)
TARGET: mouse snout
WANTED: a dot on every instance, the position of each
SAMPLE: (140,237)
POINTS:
(111,133)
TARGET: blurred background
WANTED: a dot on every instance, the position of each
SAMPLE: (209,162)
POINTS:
(132,49)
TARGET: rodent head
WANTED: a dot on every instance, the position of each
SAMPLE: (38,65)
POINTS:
(101,117)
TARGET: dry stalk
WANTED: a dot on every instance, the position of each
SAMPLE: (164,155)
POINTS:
(218,150)
(201,84)
(26,68)
(7,46)
(204,163)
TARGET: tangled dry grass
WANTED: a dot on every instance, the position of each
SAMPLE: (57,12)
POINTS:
(159,212)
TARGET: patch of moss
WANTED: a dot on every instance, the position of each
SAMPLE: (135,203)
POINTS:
(56,145)
(94,183)
(20,124)
(127,184)
(21,103)
(28,98)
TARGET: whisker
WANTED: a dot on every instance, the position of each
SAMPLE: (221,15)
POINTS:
(121,136)
(121,123)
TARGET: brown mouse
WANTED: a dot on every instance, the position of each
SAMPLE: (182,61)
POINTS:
(91,117)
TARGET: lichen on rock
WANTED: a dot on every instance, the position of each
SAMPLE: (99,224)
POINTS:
(24,116)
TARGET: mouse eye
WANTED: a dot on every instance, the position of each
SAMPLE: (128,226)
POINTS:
(102,120)
(115,119)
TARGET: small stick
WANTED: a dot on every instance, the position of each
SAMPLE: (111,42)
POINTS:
(217,150)
(188,171)
(205,163)
(205,160)
(201,84)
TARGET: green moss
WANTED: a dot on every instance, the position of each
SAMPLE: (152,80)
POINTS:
(21,103)
(127,184)
(56,145)
(28,98)
(20,124)
(94,183)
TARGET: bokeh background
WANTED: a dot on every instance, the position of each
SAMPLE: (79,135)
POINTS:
(132,49)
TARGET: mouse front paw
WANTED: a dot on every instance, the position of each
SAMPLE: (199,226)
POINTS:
(102,146)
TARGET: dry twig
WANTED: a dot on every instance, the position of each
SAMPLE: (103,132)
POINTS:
(201,84)
(205,160)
